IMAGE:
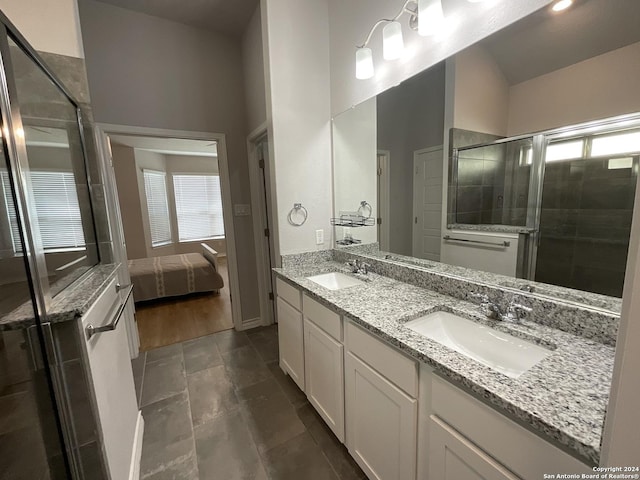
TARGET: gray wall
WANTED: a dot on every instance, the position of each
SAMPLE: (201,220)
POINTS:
(410,117)
(253,61)
(150,72)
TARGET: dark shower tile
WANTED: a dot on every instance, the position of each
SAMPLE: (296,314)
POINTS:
(470,171)
(613,193)
(468,199)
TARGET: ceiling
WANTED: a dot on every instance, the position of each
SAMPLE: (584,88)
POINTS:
(546,41)
(225,16)
(168,146)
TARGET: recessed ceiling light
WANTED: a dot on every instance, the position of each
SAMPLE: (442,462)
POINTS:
(562,5)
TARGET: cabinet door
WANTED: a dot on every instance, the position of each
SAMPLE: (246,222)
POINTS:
(381,423)
(324,376)
(291,342)
(453,457)
(112,379)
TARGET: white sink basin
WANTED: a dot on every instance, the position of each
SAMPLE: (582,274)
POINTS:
(509,355)
(335,280)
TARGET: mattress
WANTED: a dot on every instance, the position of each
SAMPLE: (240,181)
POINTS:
(173,275)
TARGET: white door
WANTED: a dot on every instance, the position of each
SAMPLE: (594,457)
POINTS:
(383,199)
(324,376)
(291,342)
(453,457)
(381,423)
(427,203)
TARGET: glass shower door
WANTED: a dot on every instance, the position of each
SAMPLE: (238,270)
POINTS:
(588,193)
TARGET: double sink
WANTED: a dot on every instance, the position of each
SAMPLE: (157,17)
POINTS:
(507,354)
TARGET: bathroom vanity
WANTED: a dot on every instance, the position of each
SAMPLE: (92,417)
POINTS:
(408,407)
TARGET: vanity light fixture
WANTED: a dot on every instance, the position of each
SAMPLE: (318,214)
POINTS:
(561,5)
(393,43)
(430,17)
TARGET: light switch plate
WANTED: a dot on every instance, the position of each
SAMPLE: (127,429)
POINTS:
(241,210)
(319,237)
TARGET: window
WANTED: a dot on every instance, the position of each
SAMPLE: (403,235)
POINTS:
(155,188)
(198,207)
(57,208)
(565,150)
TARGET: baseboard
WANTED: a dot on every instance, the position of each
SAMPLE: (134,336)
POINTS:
(251,323)
(134,469)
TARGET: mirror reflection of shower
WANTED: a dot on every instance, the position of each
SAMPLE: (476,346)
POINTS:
(572,192)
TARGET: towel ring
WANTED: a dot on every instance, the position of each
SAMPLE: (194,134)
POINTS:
(297,207)
(364,204)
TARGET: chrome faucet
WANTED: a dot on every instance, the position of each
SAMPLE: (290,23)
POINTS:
(515,312)
(358,266)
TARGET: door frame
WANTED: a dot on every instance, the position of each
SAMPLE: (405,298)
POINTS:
(102,132)
(267,312)
(383,160)
(415,209)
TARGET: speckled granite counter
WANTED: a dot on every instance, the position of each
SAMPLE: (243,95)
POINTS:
(564,397)
(490,228)
(70,303)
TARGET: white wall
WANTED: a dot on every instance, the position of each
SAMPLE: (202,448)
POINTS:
(49,26)
(354,166)
(481,93)
(253,64)
(350,22)
(145,71)
(600,87)
(297,38)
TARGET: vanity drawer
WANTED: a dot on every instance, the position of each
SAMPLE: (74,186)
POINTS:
(288,293)
(393,365)
(505,440)
(322,316)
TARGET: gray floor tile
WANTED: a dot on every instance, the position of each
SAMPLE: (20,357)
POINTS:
(293,393)
(201,353)
(245,367)
(211,393)
(167,421)
(336,453)
(299,458)
(231,340)
(266,345)
(164,353)
(270,418)
(176,461)
(163,379)
(138,365)
(225,450)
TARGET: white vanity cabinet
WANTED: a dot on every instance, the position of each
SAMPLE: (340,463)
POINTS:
(111,378)
(469,438)
(290,331)
(381,385)
(324,363)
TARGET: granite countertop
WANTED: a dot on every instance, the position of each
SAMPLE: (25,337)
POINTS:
(564,397)
(69,304)
(485,227)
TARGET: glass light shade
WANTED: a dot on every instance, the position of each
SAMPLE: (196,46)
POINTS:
(430,17)
(364,63)
(392,42)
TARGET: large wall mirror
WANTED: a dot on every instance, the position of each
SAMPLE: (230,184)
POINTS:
(516,158)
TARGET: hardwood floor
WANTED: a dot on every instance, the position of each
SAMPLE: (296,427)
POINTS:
(173,320)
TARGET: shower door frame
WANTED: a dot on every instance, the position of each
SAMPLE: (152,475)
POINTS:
(541,141)
(43,350)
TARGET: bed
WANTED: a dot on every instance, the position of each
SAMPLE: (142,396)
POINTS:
(175,275)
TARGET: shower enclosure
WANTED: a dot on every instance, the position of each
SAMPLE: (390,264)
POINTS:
(571,191)
(47,242)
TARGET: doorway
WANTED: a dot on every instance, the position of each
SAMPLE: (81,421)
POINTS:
(177,232)
(262,203)
(427,203)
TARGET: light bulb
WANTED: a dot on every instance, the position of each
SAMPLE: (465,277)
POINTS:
(392,42)
(562,5)
(430,17)
(364,63)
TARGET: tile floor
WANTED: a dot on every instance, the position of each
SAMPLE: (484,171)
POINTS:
(219,407)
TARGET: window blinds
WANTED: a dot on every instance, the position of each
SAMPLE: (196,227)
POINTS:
(155,187)
(57,208)
(198,206)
